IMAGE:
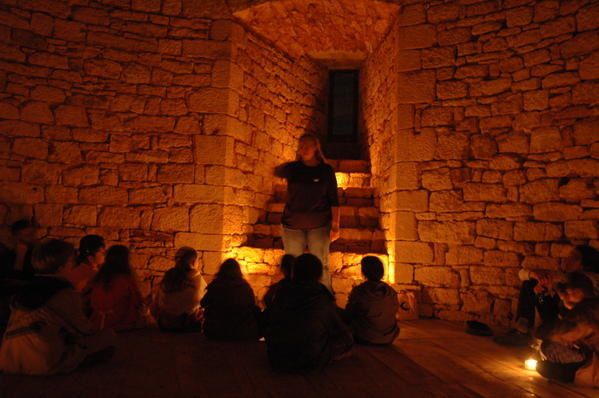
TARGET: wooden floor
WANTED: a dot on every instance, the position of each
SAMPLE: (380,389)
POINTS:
(431,359)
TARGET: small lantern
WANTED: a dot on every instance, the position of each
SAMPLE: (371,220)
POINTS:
(530,364)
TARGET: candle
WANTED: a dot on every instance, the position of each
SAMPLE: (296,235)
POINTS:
(530,364)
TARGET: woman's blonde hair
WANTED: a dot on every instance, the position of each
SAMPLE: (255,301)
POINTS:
(314,138)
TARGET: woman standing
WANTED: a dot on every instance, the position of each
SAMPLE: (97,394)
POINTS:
(311,215)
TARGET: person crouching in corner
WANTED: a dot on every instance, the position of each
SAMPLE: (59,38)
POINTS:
(230,310)
(372,306)
(304,327)
(570,347)
(48,332)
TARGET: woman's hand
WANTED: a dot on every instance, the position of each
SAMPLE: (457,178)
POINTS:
(335,233)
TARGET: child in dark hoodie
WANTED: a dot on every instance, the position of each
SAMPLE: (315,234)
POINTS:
(304,328)
(286,269)
(47,331)
(230,310)
(372,306)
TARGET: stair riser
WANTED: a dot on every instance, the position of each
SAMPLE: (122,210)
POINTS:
(346,221)
(362,246)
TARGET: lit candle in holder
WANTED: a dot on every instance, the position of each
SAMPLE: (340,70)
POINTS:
(530,364)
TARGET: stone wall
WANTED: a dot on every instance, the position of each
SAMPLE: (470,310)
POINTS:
(379,119)
(153,124)
(103,112)
(498,139)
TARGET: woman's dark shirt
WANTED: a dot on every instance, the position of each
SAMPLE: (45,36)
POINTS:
(311,193)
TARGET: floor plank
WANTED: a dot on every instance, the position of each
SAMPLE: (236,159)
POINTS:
(430,359)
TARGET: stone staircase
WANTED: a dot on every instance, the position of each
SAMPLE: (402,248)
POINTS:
(360,232)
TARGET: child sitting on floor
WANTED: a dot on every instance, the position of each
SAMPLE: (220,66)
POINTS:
(48,332)
(92,251)
(113,296)
(285,269)
(304,327)
(372,306)
(177,306)
(230,311)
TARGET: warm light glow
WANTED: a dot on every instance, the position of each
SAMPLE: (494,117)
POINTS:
(342,179)
(530,364)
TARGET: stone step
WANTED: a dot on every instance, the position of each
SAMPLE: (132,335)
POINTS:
(351,216)
(352,196)
(350,166)
(358,240)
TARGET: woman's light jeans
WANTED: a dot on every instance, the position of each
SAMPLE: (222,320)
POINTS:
(317,240)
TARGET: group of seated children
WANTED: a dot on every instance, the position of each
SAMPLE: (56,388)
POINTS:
(561,310)
(67,306)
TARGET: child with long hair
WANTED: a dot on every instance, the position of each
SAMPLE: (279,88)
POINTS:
(177,306)
(230,310)
(48,332)
(90,257)
(113,295)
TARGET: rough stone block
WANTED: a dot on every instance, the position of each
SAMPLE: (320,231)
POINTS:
(452,146)
(487,276)
(440,296)
(474,192)
(539,232)
(68,115)
(437,276)
(508,210)
(212,100)
(446,232)
(121,217)
(171,219)
(412,252)
(416,147)
(556,212)
(545,190)
(451,201)
(403,226)
(410,200)
(81,215)
(104,195)
(30,147)
(416,87)
(460,255)
(437,180)
(417,36)
(587,229)
(494,228)
(214,150)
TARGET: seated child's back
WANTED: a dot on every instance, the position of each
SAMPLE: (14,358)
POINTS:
(114,298)
(304,330)
(178,300)
(230,310)
(372,306)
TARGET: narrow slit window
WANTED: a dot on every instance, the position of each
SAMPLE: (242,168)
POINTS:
(343,106)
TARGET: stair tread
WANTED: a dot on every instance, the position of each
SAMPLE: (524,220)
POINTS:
(336,247)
